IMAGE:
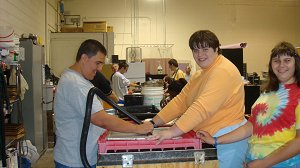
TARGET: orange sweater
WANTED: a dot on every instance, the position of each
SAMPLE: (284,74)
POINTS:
(212,99)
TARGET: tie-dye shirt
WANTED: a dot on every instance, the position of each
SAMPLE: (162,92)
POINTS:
(275,118)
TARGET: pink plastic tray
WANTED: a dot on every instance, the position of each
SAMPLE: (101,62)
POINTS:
(187,141)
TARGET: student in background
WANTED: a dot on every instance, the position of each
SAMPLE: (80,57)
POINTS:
(114,68)
(188,74)
(103,84)
(174,88)
(167,80)
(120,83)
(274,125)
(177,73)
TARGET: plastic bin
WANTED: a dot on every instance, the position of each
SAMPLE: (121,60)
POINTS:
(140,111)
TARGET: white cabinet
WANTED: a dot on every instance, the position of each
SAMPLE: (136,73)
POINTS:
(64,47)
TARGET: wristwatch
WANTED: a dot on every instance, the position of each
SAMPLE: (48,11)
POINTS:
(154,125)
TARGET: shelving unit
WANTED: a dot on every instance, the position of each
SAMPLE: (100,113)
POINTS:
(2,126)
(9,57)
(6,102)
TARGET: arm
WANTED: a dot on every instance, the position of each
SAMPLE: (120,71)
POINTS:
(290,149)
(113,123)
(103,84)
(158,121)
(172,132)
(211,100)
(113,96)
(236,135)
(125,81)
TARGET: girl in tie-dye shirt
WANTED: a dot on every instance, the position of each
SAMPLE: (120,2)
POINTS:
(275,120)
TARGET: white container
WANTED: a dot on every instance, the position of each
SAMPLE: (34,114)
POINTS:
(159,69)
(153,95)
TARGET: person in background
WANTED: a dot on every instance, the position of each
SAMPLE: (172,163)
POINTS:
(167,80)
(188,74)
(274,125)
(103,84)
(177,73)
(70,104)
(213,100)
(120,83)
(173,90)
(114,68)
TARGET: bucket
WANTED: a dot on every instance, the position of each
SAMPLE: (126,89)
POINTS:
(153,95)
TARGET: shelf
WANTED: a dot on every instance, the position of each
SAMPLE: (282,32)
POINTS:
(9,140)
(12,101)
(13,132)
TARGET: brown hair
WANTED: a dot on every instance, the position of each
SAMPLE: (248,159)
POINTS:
(282,48)
(204,38)
(173,62)
(90,47)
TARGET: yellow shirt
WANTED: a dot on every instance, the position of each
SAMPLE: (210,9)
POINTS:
(178,74)
(212,99)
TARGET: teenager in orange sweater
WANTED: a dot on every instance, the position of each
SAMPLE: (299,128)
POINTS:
(213,100)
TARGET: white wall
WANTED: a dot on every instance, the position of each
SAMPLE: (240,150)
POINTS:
(260,23)
(30,16)
(51,24)
(25,16)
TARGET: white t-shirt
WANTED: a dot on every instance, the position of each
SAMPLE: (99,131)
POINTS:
(69,111)
(119,85)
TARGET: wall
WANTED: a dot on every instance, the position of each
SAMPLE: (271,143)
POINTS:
(30,16)
(260,23)
(25,16)
(51,24)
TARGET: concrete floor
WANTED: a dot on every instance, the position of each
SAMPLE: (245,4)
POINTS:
(46,160)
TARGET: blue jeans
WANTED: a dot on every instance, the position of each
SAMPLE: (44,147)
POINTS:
(59,165)
(120,102)
(232,155)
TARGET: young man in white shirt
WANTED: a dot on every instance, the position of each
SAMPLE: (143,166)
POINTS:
(70,104)
(120,83)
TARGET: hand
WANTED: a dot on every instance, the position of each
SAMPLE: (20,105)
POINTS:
(257,163)
(144,128)
(160,136)
(206,137)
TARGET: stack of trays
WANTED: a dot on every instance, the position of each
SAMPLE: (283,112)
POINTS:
(14,131)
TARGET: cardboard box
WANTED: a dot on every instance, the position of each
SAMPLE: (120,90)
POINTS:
(95,26)
(110,29)
(71,29)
